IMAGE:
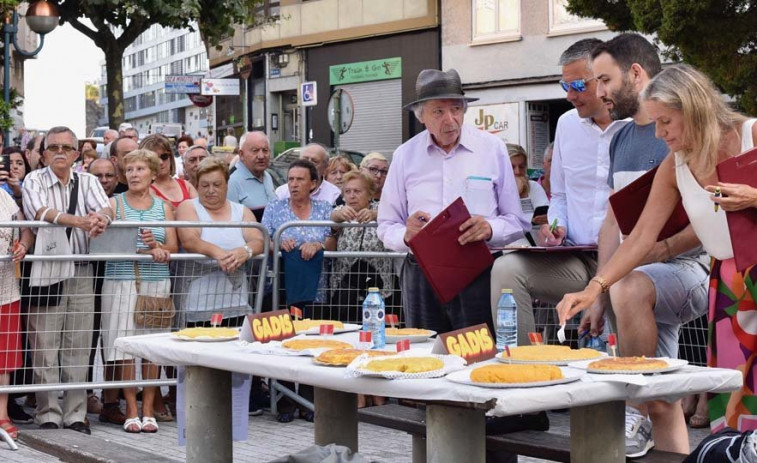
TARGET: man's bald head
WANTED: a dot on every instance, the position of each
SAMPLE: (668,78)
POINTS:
(318,155)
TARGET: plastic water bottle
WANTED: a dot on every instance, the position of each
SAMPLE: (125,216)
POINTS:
(507,320)
(373,317)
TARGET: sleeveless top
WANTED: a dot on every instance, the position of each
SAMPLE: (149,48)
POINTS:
(710,227)
(184,193)
(148,271)
(224,238)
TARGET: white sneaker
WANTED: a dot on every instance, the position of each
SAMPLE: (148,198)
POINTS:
(638,434)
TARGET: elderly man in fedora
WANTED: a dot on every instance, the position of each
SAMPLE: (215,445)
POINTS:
(431,170)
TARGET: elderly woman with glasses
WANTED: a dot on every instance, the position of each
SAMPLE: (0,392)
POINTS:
(377,166)
(171,190)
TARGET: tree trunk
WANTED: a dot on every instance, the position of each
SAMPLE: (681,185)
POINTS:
(114,71)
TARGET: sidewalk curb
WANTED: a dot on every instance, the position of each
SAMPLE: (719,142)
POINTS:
(75,447)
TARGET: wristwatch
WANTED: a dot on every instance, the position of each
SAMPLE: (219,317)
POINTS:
(249,251)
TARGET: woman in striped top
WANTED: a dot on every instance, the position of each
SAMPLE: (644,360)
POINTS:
(119,294)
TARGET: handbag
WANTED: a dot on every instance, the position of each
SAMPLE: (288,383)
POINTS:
(150,311)
(50,241)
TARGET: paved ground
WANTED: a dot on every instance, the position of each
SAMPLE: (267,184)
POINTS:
(267,439)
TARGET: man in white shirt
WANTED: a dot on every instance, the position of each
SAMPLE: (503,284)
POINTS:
(580,164)
(324,190)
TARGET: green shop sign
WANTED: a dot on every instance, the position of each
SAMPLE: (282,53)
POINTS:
(365,71)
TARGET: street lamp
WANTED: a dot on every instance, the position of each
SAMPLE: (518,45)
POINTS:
(41,17)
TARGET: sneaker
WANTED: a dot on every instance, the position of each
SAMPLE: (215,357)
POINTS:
(638,434)
(17,413)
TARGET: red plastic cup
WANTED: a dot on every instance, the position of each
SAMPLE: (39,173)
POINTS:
(366,336)
(216,319)
(326,330)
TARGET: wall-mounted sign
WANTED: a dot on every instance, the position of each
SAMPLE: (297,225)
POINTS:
(220,87)
(309,93)
(365,71)
(183,84)
(497,119)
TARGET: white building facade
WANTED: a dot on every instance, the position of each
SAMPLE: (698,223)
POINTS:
(156,53)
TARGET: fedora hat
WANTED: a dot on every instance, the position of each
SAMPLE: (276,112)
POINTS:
(433,84)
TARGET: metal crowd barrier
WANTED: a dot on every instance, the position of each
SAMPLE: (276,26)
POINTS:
(344,285)
(342,289)
(104,309)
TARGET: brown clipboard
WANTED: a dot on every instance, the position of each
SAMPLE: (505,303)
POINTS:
(741,224)
(449,266)
(628,203)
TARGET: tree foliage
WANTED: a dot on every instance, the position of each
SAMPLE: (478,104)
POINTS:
(116,24)
(717,36)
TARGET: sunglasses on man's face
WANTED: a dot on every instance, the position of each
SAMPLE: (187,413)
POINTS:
(578,85)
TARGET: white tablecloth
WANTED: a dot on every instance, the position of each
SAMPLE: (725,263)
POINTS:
(235,356)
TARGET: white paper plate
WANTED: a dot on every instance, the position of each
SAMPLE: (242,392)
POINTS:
(312,352)
(205,338)
(463,377)
(414,338)
(673,364)
(451,363)
(559,363)
(348,327)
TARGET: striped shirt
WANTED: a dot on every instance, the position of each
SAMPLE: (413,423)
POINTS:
(148,271)
(43,189)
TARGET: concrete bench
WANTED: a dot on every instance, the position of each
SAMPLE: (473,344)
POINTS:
(548,445)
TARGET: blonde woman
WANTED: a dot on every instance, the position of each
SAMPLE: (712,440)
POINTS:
(377,165)
(701,131)
(338,166)
(532,195)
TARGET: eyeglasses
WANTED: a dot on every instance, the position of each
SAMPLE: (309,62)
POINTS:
(376,171)
(578,85)
(164,156)
(56,148)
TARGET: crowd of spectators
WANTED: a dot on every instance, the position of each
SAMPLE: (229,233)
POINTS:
(161,180)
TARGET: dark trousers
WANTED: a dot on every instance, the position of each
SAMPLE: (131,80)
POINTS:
(423,309)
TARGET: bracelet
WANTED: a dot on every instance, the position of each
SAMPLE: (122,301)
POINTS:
(248,250)
(601,282)
(107,218)
(55,220)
